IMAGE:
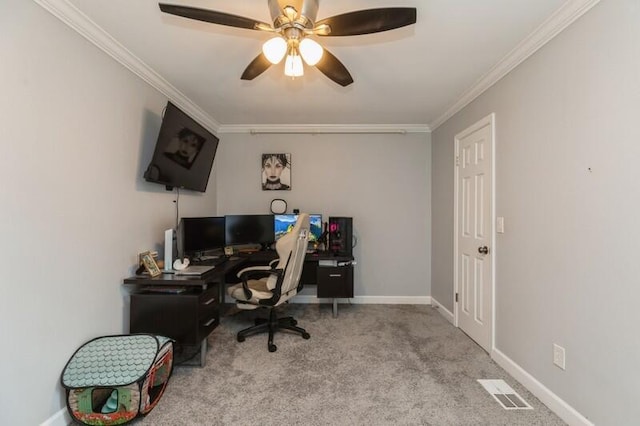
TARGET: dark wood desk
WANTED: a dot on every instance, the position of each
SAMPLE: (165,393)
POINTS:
(184,308)
(191,313)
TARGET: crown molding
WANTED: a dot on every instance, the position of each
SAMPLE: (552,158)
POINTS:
(556,23)
(83,25)
(313,129)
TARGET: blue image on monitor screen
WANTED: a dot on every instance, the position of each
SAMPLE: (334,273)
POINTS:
(284,223)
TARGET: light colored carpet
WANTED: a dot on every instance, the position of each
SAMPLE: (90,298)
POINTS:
(372,365)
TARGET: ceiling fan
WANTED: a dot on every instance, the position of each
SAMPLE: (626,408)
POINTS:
(294,21)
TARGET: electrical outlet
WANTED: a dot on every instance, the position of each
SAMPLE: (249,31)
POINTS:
(500,225)
(559,356)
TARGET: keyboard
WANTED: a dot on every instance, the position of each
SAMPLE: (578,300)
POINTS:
(210,262)
(195,270)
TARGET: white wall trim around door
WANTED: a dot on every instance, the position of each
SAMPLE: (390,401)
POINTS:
(489,120)
(447,314)
(556,23)
(544,394)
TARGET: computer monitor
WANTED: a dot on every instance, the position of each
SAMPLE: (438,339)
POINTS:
(201,234)
(283,223)
(249,229)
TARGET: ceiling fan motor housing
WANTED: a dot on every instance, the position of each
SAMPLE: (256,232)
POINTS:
(307,12)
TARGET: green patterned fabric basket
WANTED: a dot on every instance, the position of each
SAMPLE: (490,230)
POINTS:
(111,380)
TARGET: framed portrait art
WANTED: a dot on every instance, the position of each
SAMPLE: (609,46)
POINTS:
(276,172)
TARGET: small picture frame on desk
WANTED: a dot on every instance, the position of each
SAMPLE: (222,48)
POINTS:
(150,264)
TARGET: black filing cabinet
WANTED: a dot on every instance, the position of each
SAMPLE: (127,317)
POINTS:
(335,281)
(187,317)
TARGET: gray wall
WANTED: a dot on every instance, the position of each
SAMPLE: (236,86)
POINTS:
(382,181)
(567,267)
(77,130)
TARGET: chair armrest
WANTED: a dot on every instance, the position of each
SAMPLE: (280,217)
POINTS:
(264,268)
(256,271)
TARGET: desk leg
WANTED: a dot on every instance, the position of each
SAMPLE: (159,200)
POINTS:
(221,295)
(203,345)
(203,352)
(335,307)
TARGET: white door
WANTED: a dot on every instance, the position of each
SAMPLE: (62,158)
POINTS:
(474,232)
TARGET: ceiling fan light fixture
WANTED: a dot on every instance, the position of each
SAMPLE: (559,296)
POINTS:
(275,49)
(293,65)
(311,51)
(293,21)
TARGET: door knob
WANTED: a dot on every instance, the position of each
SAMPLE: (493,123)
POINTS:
(483,250)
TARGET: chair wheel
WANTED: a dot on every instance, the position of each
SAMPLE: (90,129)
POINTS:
(272,348)
(240,338)
(306,336)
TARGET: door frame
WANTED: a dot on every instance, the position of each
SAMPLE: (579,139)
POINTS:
(488,120)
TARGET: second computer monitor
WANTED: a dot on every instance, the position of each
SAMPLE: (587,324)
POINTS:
(249,229)
(201,234)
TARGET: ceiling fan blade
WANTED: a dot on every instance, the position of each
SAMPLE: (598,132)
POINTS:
(330,66)
(369,21)
(259,65)
(213,17)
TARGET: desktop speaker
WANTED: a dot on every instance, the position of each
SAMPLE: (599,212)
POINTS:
(341,235)
(168,249)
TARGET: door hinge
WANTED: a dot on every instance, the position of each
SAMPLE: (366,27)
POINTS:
(456,297)
(457,160)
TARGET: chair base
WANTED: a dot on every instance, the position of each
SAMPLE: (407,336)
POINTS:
(272,325)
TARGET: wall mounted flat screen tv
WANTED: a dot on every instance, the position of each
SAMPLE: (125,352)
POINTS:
(184,153)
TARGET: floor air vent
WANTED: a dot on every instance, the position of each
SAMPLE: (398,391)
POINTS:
(505,395)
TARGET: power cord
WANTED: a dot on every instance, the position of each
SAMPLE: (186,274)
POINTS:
(177,203)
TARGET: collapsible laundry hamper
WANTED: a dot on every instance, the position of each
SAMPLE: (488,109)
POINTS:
(111,380)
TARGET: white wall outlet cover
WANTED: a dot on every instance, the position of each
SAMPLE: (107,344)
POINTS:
(559,356)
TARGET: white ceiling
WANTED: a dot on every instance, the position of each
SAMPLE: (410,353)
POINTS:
(413,76)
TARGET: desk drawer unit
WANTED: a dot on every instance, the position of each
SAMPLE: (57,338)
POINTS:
(187,317)
(335,281)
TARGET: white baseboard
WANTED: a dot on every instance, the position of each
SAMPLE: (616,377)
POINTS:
(447,314)
(367,300)
(357,300)
(548,398)
(61,418)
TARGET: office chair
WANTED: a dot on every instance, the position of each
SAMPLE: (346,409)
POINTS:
(277,283)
